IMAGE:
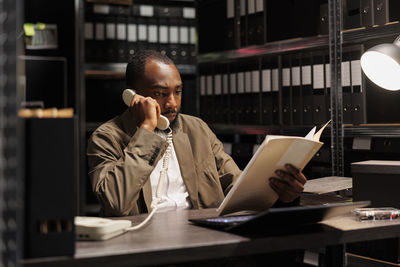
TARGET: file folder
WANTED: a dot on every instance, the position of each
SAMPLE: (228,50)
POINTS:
(226,97)
(386,11)
(153,43)
(142,33)
(346,87)
(367,13)
(255,19)
(229,30)
(110,41)
(233,96)
(243,23)
(122,42)
(173,46)
(132,37)
(266,98)
(352,14)
(307,91)
(210,102)
(319,90)
(99,45)
(275,97)
(297,102)
(163,35)
(323,19)
(286,93)
(90,41)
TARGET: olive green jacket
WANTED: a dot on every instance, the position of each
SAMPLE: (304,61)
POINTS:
(121,158)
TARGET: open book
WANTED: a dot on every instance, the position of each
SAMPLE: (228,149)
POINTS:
(252,190)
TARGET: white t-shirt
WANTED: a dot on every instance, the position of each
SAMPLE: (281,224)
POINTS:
(174,194)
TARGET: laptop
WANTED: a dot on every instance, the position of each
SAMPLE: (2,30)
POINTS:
(280,217)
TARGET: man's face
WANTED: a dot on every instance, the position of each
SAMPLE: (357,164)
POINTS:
(163,83)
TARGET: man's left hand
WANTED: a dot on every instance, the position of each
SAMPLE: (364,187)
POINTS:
(289,183)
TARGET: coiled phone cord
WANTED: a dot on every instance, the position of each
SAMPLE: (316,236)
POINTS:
(160,184)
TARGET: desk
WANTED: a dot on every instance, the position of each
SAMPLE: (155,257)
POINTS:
(169,238)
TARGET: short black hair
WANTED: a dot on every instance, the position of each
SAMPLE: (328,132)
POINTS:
(137,64)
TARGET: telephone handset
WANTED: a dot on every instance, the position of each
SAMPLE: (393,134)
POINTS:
(127,95)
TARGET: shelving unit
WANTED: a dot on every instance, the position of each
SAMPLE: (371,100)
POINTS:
(338,41)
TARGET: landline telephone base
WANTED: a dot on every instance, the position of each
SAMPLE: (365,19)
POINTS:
(96,228)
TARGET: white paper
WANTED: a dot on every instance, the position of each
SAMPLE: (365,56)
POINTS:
(173,34)
(230,8)
(121,31)
(266,80)
(232,82)
(209,85)
(163,34)
(356,73)
(285,77)
(318,78)
(251,7)
(146,11)
(89,31)
(225,84)
(292,155)
(240,83)
(101,9)
(142,32)
(275,80)
(99,31)
(306,75)
(295,76)
(346,73)
(132,32)
(247,81)
(189,13)
(218,84)
(255,77)
(184,35)
(311,133)
(202,85)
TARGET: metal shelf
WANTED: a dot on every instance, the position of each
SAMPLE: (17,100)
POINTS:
(118,69)
(295,130)
(366,34)
(369,130)
(296,44)
(358,35)
(373,130)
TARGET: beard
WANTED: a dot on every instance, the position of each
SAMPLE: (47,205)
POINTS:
(173,124)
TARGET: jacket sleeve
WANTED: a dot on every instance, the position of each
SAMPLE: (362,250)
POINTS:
(228,171)
(119,172)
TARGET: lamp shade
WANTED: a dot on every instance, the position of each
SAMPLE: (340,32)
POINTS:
(381,64)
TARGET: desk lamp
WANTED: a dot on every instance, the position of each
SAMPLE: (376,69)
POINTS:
(381,64)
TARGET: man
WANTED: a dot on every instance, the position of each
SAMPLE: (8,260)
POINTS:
(125,153)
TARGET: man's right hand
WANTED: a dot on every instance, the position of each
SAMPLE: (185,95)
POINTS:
(145,112)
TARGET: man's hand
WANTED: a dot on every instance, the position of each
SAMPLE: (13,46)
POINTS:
(145,111)
(290,183)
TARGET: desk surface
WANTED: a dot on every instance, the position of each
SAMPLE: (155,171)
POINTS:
(170,238)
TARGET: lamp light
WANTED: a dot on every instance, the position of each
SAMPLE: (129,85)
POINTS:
(381,64)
